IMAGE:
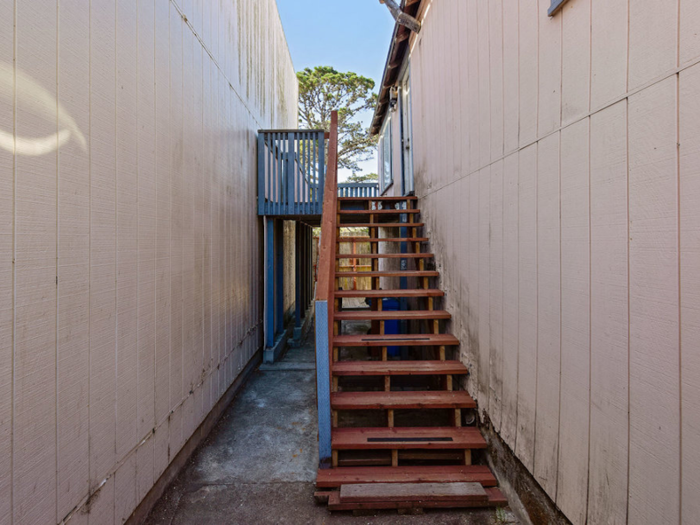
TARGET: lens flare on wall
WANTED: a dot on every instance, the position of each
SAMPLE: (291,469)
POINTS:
(17,87)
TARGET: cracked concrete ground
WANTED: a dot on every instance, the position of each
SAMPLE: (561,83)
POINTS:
(258,465)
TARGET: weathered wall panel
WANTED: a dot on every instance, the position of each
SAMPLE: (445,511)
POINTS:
(654,305)
(7,111)
(127,203)
(689,139)
(569,251)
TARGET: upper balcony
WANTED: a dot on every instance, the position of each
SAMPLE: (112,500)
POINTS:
(291,175)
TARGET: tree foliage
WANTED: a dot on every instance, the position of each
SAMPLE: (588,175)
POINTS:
(363,177)
(322,90)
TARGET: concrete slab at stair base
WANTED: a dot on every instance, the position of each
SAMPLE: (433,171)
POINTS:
(181,459)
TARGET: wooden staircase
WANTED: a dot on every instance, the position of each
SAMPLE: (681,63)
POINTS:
(398,438)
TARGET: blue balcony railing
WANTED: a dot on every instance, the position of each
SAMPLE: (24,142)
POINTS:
(358,189)
(291,172)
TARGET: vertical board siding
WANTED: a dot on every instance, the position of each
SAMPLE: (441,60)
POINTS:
(548,313)
(572,473)
(653,39)
(654,300)
(510,344)
(609,50)
(527,305)
(607,487)
(73,261)
(496,294)
(7,173)
(571,270)
(689,190)
(35,294)
(549,64)
(129,240)
(576,60)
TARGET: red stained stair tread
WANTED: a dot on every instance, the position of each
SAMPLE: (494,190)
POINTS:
(395,340)
(407,438)
(398,368)
(390,293)
(401,400)
(377,315)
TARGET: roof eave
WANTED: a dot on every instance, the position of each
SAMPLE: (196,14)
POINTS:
(397,53)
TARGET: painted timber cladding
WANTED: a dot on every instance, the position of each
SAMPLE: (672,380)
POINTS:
(130,255)
(558,179)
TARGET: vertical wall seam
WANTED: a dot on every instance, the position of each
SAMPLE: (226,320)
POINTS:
(629,331)
(57,230)
(116,246)
(680,299)
(537,293)
(590,313)
(14,263)
(556,482)
(517,376)
(137,63)
(89,324)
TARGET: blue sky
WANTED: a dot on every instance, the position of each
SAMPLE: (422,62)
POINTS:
(349,36)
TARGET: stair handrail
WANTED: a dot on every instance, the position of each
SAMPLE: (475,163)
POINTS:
(326,259)
(325,297)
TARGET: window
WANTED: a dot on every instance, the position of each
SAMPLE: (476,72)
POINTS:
(556,6)
(385,172)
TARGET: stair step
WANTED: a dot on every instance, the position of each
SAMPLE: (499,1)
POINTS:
(397,273)
(335,477)
(401,400)
(384,256)
(375,199)
(389,315)
(398,368)
(494,496)
(381,225)
(376,492)
(345,240)
(407,438)
(376,294)
(395,340)
(389,211)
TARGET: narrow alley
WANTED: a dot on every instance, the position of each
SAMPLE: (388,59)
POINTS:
(258,465)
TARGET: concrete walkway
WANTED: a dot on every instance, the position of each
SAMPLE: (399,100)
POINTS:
(258,466)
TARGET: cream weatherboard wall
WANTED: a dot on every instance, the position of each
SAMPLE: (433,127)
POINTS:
(129,242)
(557,164)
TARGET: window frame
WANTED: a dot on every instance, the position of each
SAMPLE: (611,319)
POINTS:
(386,147)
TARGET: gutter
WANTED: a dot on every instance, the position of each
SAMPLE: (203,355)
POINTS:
(397,53)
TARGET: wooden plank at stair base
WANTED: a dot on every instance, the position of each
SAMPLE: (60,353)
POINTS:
(384,256)
(398,368)
(396,340)
(382,239)
(408,438)
(401,400)
(388,315)
(417,492)
(494,495)
(333,478)
(376,294)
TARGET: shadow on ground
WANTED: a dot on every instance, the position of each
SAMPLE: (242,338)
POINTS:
(258,465)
